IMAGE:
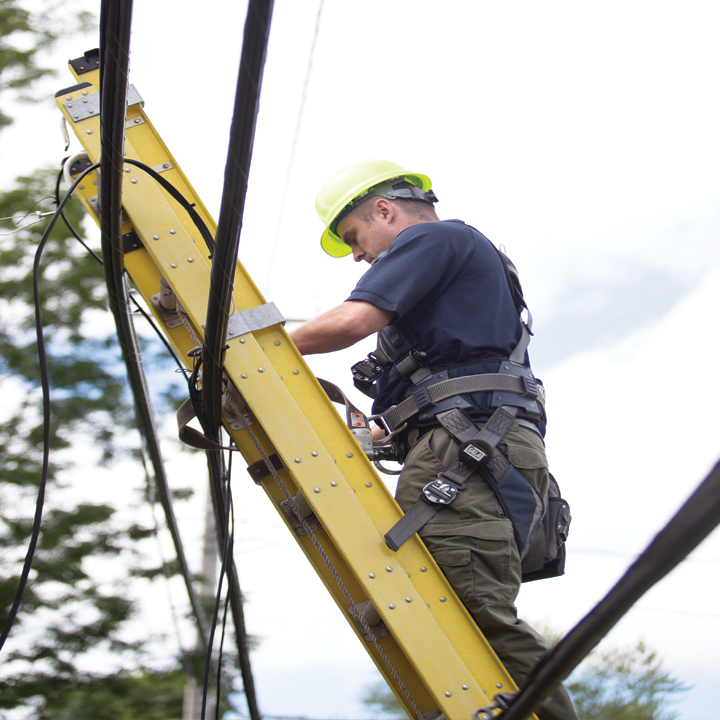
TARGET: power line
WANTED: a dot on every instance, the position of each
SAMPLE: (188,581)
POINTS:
(45,384)
(631,556)
(293,149)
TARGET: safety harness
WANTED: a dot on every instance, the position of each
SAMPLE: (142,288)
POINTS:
(434,398)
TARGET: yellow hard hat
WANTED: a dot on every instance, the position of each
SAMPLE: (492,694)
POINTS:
(336,197)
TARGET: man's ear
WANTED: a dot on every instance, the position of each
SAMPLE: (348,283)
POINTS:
(384,210)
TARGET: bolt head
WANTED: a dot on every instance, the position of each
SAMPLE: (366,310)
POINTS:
(372,575)
(391,606)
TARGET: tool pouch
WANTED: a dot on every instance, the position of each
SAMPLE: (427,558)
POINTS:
(545,557)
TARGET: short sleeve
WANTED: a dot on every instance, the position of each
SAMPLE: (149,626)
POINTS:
(417,268)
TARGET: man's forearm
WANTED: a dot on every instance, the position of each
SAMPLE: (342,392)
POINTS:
(340,327)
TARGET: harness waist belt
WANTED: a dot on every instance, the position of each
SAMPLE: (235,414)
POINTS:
(490,382)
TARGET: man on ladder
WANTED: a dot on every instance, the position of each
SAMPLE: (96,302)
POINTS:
(453,388)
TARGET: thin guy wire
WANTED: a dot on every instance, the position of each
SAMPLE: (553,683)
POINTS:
(165,570)
(293,150)
(353,607)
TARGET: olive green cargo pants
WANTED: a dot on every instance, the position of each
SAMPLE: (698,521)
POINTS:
(472,542)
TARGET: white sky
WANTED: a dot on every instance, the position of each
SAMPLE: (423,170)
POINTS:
(583,137)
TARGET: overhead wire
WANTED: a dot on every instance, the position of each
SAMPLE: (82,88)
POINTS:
(115,22)
(226,557)
(693,522)
(227,595)
(184,655)
(45,385)
(222,275)
(293,150)
(138,307)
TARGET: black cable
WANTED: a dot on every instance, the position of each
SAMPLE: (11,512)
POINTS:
(45,383)
(220,655)
(693,522)
(222,275)
(237,168)
(216,610)
(115,21)
(227,595)
(177,195)
(138,307)
(75,234)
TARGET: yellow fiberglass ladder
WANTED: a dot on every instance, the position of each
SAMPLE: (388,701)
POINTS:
(400,605)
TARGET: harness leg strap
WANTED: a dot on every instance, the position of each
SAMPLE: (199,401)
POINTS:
(477,449)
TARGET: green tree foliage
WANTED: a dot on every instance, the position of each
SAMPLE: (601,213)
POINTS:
(620,684)
(22,36)
(379,698)
(68,616)
(626,684)
(125,696)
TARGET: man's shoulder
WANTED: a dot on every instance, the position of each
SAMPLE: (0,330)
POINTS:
(434,232)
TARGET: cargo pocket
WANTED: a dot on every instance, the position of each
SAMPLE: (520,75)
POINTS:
(480,573)
(455,563)
(526,457)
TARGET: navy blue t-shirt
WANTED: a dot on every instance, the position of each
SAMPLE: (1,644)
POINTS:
(448,286)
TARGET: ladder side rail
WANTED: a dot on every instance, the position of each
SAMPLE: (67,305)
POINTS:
(293,416)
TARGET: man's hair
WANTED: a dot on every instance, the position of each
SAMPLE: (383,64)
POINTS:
(416,209)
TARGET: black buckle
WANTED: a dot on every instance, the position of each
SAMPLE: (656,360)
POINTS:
(441,491)
(366,370)
(530,386)
(422,398)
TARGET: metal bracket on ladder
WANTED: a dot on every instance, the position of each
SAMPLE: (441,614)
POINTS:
(89,105)
(257,318)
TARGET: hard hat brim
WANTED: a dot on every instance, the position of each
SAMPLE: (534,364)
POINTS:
(332,244)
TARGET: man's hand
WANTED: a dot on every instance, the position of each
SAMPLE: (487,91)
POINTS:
(341,327)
